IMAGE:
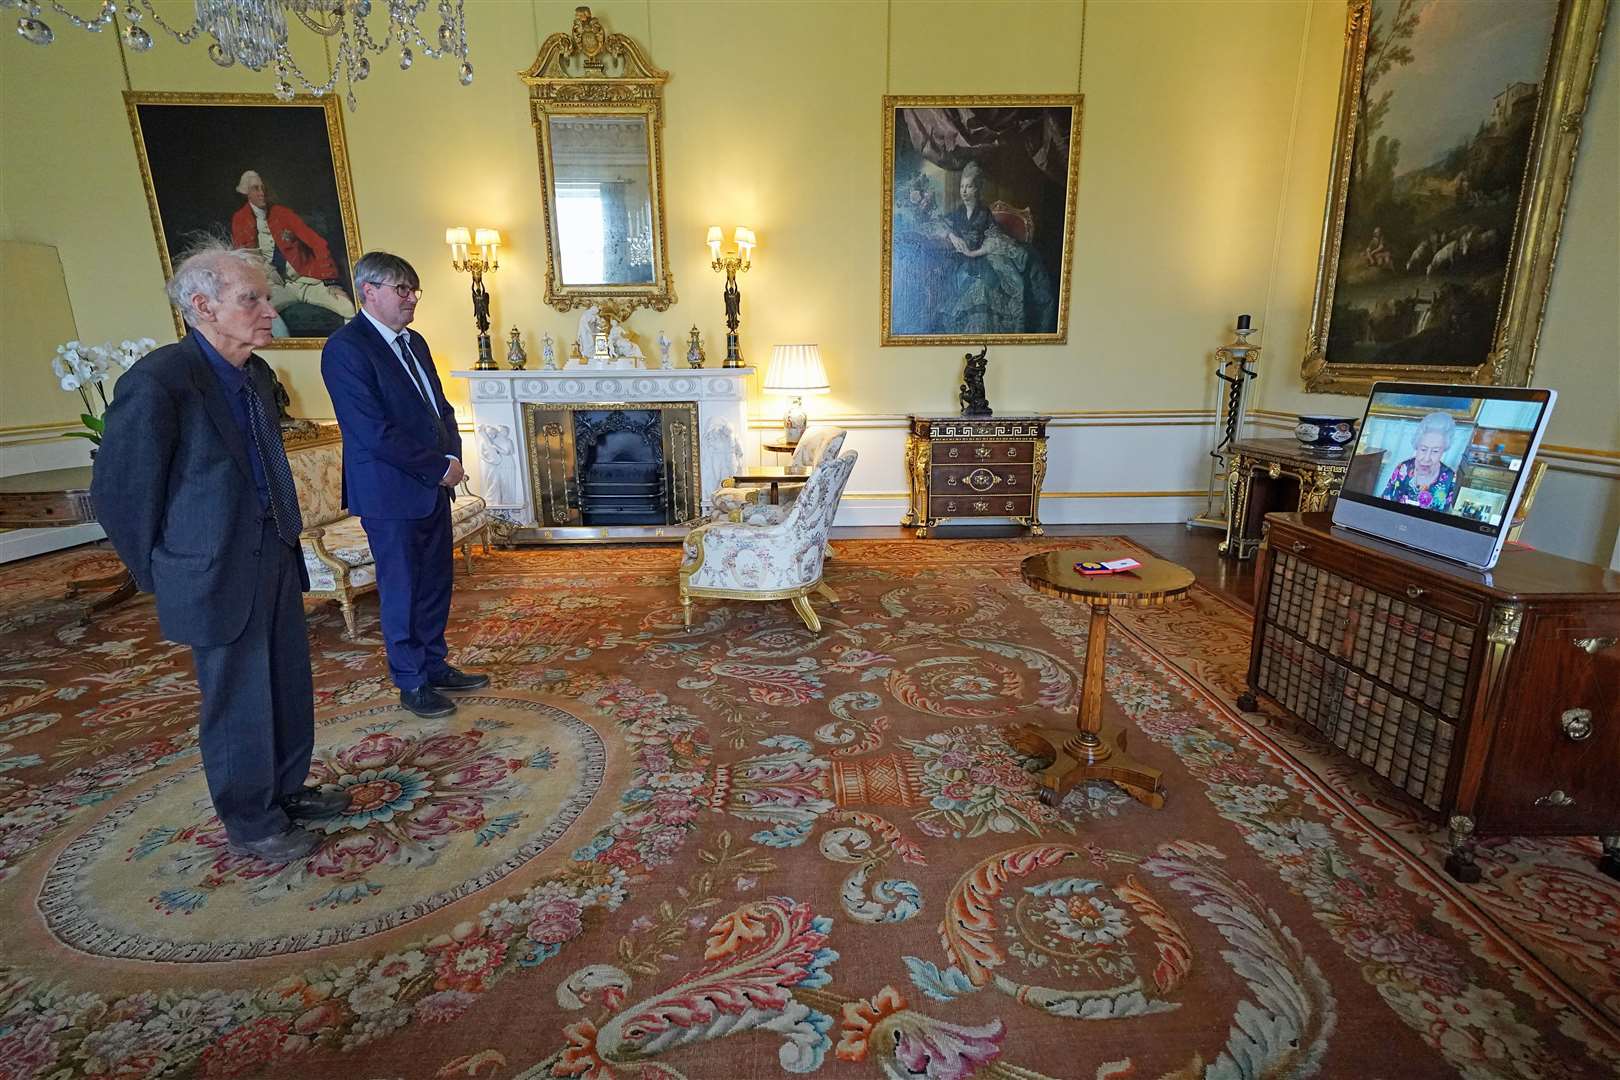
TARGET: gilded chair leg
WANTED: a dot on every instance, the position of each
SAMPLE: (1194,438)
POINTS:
(801,604)
(466,556)
(348,616)
(484,534)
(826,590)
(686,612)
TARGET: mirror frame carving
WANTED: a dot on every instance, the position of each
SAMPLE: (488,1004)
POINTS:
(591,72)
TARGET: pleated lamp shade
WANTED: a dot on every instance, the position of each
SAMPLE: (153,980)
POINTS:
(795,370)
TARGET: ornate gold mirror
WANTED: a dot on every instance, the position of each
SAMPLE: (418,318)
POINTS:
(598,111)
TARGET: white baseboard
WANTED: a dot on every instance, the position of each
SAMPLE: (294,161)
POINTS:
(23,543)
(858,509)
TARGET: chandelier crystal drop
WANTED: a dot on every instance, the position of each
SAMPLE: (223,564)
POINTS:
(254,33)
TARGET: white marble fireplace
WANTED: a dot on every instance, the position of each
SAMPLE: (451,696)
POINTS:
(509,475)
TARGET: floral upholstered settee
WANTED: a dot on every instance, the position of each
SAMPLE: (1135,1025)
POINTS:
(336,552)
(778,560)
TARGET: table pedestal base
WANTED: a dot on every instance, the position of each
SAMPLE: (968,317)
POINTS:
(1076,759)
(122,585)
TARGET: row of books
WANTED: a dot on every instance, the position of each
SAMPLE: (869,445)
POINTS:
(1391,733)
(1418,652)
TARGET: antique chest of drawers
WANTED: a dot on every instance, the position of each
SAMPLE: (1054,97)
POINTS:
(1491,698)
(975,467)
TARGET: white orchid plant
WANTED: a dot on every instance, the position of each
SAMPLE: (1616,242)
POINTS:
(85,368)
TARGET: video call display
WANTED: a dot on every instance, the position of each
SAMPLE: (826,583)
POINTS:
(1444,457)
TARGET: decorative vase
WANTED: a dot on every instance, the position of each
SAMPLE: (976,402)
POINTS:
(1326,434)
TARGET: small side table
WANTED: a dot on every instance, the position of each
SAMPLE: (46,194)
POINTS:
(775,476)
(1093,750)
(1279,475)
(780,447)
(59,497)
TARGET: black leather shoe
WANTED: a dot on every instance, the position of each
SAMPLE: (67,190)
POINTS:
(312,802)
(283,847)
(453,679)
(426,702)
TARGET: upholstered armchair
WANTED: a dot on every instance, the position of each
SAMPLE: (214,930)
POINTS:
(781,560)
(814,445)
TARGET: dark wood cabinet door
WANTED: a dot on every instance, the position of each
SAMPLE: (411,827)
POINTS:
(1555,758)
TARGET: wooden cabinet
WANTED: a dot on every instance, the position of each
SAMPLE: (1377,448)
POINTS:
(975,467)
(1492,698)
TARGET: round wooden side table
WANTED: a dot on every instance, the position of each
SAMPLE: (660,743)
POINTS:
(59,497)
(781,447)
(1094,750)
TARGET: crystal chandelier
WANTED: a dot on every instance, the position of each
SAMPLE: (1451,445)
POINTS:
(253,33)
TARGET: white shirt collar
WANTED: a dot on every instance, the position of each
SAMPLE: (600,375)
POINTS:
(388,332)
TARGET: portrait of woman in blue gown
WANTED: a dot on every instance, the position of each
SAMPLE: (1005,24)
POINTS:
(978,237)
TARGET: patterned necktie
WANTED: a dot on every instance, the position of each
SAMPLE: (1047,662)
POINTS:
(283,494)
(411,369)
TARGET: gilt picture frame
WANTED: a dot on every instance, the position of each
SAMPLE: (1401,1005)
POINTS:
(978,212)
(199,155)
(1447,189)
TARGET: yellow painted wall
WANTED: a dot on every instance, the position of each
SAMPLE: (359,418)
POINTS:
(35,317)
(774,121)
(1203,166)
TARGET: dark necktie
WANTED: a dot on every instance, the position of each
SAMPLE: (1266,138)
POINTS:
(283,493)
(413,371)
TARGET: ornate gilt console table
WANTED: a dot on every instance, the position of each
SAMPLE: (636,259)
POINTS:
(975,467)
(1278,475)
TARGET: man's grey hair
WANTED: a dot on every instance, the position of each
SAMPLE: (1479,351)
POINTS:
(248,178)
(199,271)
(384,268)
(1440,423)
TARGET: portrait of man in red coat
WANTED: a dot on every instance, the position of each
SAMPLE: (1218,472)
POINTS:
(301,265)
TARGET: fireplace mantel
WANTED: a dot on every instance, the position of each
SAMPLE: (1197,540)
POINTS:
(498,397)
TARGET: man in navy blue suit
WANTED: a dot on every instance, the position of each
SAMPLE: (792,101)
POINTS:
(401,465)
(193,489)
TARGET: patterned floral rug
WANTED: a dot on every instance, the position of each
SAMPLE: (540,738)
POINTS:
(749,852)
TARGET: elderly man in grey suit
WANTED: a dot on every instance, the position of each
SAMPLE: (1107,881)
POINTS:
(193,489)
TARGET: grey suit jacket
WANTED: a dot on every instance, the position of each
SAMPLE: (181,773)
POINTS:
(173,488)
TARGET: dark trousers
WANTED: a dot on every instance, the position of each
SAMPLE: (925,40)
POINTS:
(257,728)
(415,568)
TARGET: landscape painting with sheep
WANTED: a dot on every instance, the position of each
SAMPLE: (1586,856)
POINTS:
(1448,104)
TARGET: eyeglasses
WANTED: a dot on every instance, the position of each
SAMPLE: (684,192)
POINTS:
(403,291)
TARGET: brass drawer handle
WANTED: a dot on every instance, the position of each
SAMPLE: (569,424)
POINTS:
(950,507)
(1556,798)
(954,452)
(1415,591)
(1577,724)
(1299,546)
(1595,645)
(1009,504)
(1012,451)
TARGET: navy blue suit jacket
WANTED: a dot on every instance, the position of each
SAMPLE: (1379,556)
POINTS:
(173,489)
(394,444)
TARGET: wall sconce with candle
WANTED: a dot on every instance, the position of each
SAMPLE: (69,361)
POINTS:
(474,251)
(739,259)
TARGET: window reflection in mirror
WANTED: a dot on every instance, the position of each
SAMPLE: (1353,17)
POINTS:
(603,199)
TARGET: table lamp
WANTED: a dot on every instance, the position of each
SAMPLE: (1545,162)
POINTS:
(794,371)
(474,251)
